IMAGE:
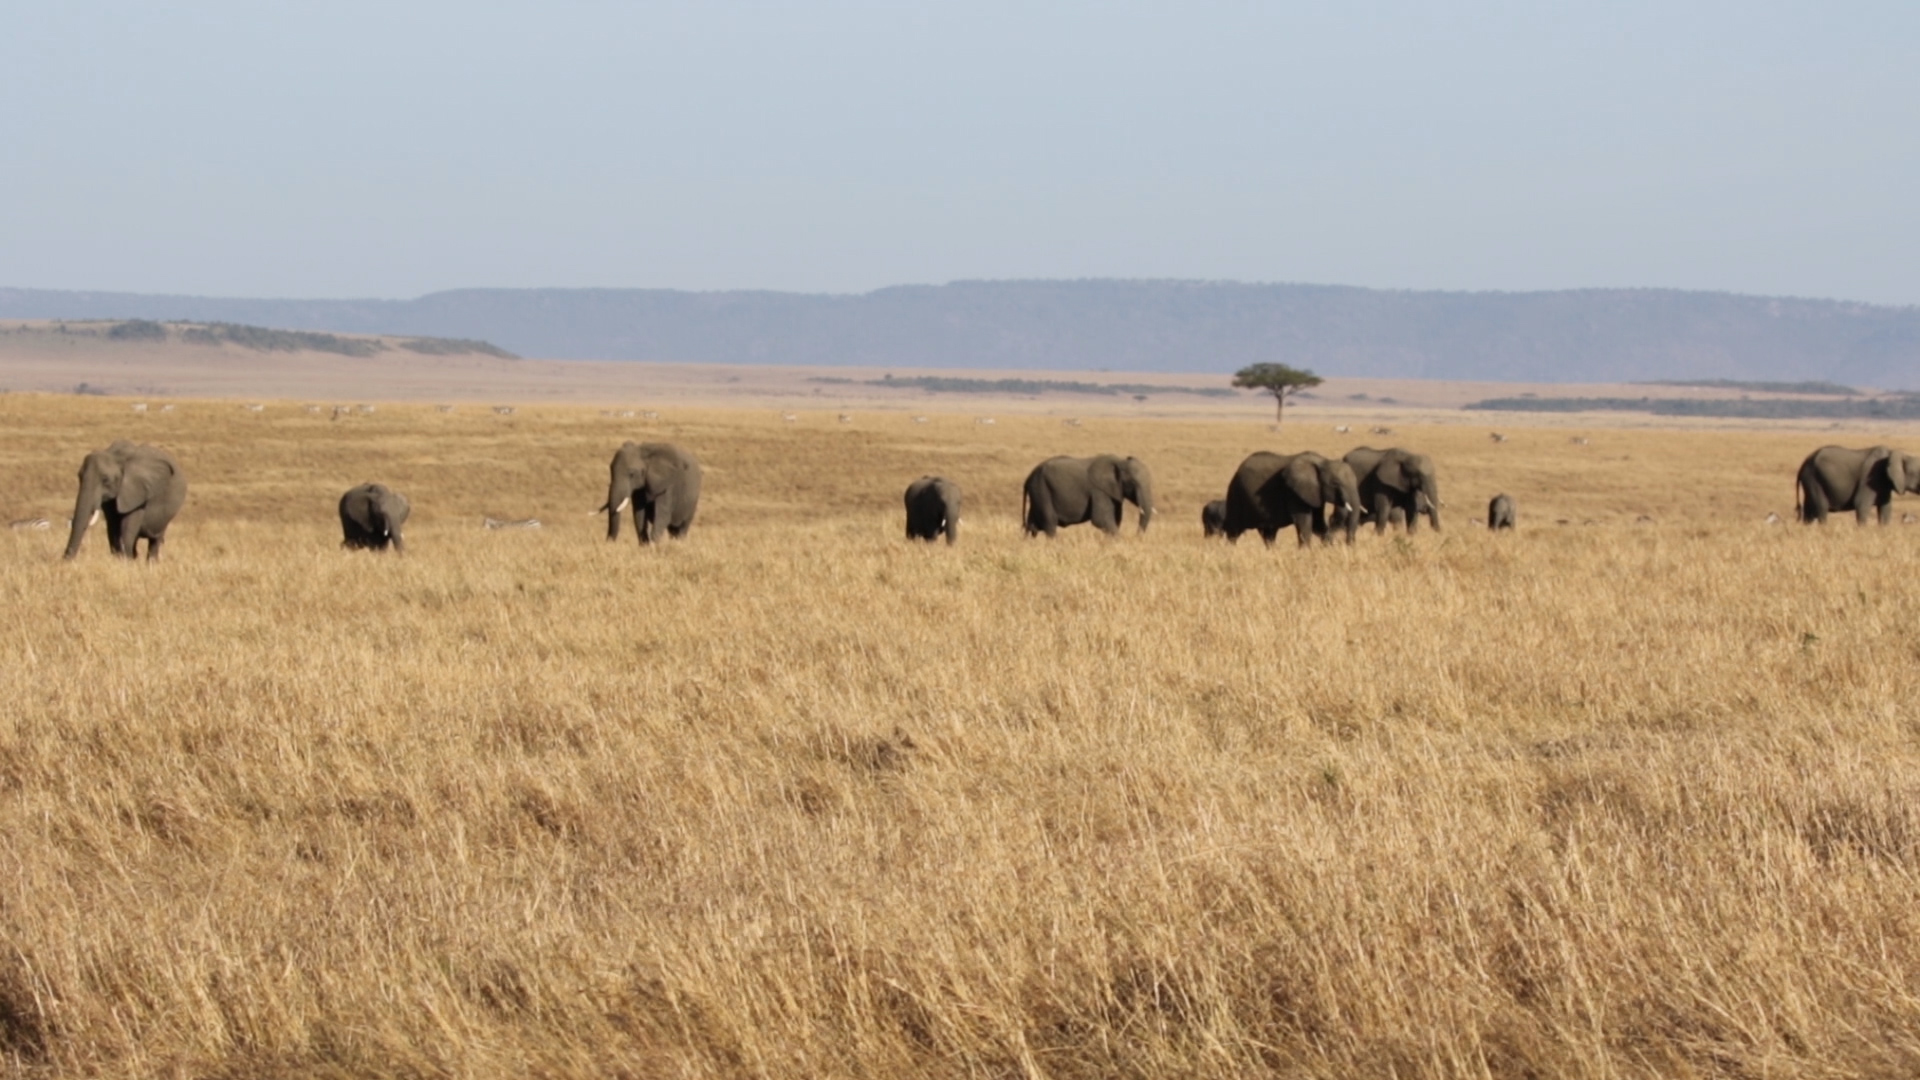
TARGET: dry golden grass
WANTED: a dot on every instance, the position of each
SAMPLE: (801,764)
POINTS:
(798,798)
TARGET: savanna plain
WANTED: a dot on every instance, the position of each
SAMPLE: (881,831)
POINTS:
(798,797)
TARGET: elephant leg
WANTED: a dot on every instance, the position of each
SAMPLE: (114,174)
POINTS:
(1105,515)
(1382,508)
(1863,510)
(1886,512)
(128,542)
(1268,535)
(1232,535)
(399,545)
(1303,527)
(153,546)
(1413,515)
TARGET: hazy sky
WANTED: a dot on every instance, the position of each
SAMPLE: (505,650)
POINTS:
(391,149)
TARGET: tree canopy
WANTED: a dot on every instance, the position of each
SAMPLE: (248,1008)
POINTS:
(1277,379)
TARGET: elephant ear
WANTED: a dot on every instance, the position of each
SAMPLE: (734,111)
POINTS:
(1104,477)
(1391,471)
(142,479)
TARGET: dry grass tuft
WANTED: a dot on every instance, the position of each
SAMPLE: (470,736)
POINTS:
(800,798)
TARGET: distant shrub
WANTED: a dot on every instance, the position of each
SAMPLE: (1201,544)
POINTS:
(261,339)
(90,390)
(435,346)
(138,330)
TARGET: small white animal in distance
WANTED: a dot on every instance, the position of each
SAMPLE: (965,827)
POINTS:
(503,410)
(846,418)
(1580,440)
(1376,430)
(1072,421)
(443,408)
(255,408)
(30,524)
(166,408)
(789,417)
(1773,519)
(311,410)
(139,406)
(364,410)
(1908,519)
(983,420)
(521,523)
(1341,429)
(648,415)
(919,419)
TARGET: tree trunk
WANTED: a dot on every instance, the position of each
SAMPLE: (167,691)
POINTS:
(1279,407)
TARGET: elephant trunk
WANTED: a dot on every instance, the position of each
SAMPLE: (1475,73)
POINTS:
(86,507)
(1433,506)
(619,494)
(1143,498)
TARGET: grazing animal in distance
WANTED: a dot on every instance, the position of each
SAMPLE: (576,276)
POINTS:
(166,408)
(371,516)
(310,410)
(648,415)
(1072,421)
(1501,513)
(846,418)
(139,406)
(789,417)
(1497,437)
(1580,440)
(919,419)
(502,523)
(1909,519)
(340,411)
(933,509)
(31,525)
(443,408)
(1377,430)
(503,410)
(1342,429)
(984,420)
(1773,518)
(1643,519)
(255,408)
(137,488)
(364,410)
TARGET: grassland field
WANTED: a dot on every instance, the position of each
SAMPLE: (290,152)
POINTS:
(797,797)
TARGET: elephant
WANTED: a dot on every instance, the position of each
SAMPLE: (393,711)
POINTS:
(1864,481)
(1213,518)
(137,488)
(1069,490)
(371,516)
(933,508)
(1396,478)
(1500,513)
(1272,491)
(661,481)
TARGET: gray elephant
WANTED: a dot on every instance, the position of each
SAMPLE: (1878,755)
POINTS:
(662,484)
(1068,491)
(137,488)
(933,509)
(1213,518)
(1863,481)
(1500,513)
(1272,491)
(371,516)
(1396,478)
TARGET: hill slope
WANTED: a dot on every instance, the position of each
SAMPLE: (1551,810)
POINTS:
(1586,335)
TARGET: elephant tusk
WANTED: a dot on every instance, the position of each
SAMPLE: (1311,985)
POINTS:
(94,519)
(623,504)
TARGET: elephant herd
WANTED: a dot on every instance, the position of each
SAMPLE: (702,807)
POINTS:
(139,489)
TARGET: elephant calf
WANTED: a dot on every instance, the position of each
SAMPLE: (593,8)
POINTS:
(137,488)
(933,509)
(1213,518)
(1500,512)
(371,516)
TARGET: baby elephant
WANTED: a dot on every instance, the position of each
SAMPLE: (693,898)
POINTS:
(933,508)
(371,516)
(1213,518)
(1500,513)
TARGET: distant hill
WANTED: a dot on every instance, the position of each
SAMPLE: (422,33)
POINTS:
(1593,335)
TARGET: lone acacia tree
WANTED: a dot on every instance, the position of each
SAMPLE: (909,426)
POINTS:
(1277,379)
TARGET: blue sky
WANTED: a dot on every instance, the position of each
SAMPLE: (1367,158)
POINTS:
(393,149)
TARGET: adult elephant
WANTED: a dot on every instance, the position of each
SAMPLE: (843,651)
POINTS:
(1213,518)
(1069,490)
(933,509)
(371,516)
(1396,478)
(137,488)
(662,484)
(1863,481)
(1272,491)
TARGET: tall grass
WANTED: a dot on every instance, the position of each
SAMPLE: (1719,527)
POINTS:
(799,798)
